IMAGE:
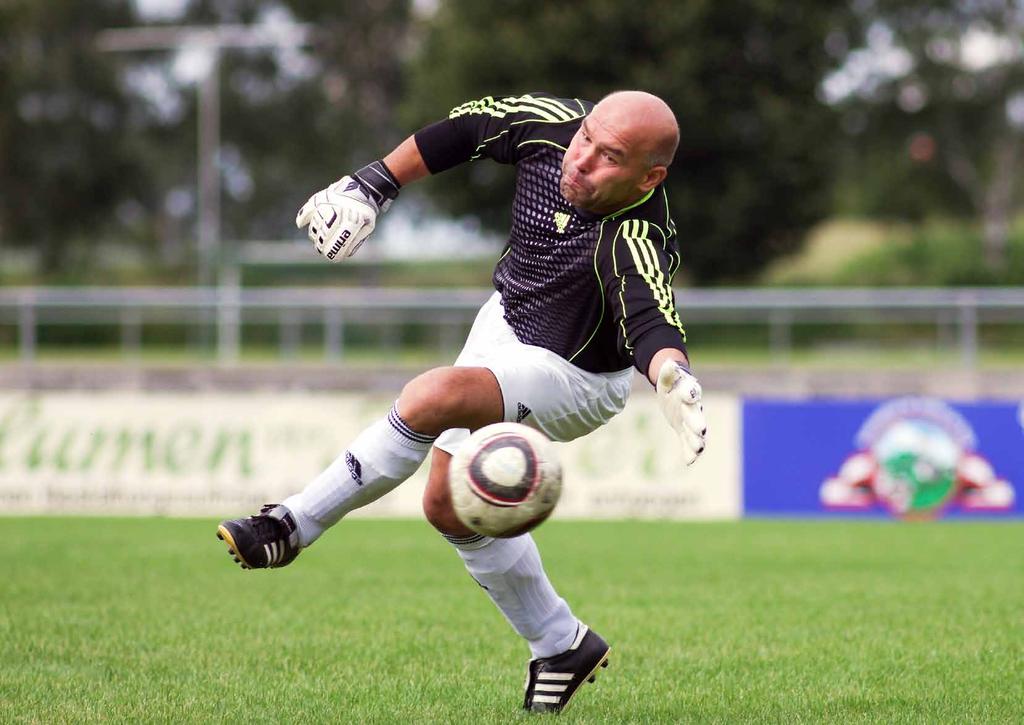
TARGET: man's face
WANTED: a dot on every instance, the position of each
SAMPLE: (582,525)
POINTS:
(605,168)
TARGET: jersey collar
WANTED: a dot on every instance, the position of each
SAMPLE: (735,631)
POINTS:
(636,203)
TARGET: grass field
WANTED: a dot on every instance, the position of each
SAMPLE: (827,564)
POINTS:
(884,355)
(149,620)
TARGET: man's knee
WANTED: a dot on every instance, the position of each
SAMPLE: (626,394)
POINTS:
(437,507)
(437,500)
(450,397)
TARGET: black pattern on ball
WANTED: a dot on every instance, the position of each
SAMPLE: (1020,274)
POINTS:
(496,493)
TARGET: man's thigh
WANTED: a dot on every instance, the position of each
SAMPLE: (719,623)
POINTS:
(542,390)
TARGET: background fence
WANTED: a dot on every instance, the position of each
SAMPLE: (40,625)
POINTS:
(223,312)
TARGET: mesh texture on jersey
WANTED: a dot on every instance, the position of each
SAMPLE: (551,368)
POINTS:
(551,292)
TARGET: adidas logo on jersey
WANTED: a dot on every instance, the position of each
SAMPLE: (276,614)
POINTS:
(561,221)
(521,412)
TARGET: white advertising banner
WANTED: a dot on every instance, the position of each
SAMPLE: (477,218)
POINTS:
(227,453)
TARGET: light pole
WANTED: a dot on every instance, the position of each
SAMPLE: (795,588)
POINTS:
(212,40)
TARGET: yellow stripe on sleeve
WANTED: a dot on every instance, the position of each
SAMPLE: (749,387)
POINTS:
(546,109)
(645,258)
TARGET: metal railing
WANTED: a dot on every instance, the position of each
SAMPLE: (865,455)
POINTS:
(226,309)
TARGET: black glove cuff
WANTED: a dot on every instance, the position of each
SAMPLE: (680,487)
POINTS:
(377,181)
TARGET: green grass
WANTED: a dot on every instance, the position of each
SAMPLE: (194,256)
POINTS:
(148,620)
(169,356)
(937,252)
(840,356)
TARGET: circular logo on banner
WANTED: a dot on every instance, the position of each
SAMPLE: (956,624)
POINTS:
(915,457)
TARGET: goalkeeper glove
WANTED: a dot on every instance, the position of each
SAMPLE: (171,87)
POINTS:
(679,395)
(342,216)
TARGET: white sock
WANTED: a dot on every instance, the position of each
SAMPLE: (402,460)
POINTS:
(381,457)
(511,572)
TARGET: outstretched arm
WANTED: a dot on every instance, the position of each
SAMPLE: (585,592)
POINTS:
(637,270)
(344,214)
(406,162)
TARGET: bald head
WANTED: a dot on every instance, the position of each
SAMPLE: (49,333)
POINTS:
(645,117)
(620,152)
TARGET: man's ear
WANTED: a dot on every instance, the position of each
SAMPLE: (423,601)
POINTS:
(655,175)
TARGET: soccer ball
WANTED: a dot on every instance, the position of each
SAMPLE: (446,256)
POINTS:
(505,480)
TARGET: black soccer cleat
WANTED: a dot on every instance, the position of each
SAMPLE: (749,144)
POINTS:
(552,681)
(266,540)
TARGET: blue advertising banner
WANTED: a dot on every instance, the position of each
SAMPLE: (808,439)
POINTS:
(905,457)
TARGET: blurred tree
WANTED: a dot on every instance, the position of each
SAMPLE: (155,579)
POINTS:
(104,144)
(932,96)
(754,163)
(294,120)
(64,173)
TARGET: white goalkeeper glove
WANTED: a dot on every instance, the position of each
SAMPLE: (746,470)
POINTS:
(679,395)
(341,217)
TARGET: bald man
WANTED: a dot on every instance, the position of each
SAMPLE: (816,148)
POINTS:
(582,298)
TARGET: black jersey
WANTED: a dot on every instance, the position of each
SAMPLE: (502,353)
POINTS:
(593,289)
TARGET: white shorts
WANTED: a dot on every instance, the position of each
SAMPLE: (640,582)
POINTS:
(539,388)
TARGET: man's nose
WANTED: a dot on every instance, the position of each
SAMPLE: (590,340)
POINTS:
(584,160)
